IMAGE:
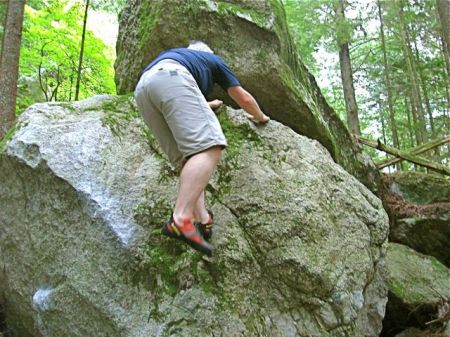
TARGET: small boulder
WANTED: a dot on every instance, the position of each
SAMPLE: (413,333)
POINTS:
(419,291)
(419,210)
(421,188)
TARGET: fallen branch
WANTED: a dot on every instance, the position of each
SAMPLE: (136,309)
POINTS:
(421,161)
(416,150)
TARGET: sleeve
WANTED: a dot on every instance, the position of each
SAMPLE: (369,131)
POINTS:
(224,76)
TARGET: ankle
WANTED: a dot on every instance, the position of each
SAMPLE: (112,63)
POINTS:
(182,218)
(202,216)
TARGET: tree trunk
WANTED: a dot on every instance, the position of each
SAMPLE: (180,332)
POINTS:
(427,99)
(388,84)
(347,75)
(9,64)
(416,100)
(443,13)
(415,123)
(412,130)
(443,9)
(80,63)
(383,132)
(2,20)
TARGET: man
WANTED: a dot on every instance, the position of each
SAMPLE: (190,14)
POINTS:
(171,96)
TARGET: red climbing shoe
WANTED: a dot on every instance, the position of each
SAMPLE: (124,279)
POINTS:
(188,233)
(206,228)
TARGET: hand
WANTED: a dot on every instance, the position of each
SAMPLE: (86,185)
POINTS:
(215,104)
(263,119)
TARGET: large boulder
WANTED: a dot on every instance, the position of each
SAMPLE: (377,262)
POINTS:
(253,38)
(419,293)
(419,209)
(85,189)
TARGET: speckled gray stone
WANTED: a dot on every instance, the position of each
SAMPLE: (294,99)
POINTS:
(298,249)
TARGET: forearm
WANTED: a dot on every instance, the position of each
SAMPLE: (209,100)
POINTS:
(251,106)
(247,102)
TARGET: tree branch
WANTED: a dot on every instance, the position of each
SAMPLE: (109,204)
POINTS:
(407,156)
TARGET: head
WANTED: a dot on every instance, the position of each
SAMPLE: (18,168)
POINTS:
(199,45)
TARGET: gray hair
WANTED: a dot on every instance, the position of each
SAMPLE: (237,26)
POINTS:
(200,45)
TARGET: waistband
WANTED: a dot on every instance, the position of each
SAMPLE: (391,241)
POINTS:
(166,64)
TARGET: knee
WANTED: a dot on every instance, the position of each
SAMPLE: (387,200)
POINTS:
(216,151)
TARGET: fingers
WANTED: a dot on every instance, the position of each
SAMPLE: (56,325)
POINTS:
(262,120)
(215,104)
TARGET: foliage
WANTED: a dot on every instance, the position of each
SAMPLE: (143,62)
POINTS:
(112,6)
(316,35)
(50,52)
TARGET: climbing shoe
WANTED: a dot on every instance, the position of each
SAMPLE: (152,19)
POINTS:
(206,228)
(188,233)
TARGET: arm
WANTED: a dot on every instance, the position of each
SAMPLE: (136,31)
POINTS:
(247,102)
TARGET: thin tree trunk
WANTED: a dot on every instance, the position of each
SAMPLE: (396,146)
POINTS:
(411,128)
(416,102)
(427,99)
(347,75)
(445,49)
(80,63)
(383,132)
(387,79)
(9,64)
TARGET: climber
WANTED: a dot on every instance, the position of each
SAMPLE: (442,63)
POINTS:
(171,96)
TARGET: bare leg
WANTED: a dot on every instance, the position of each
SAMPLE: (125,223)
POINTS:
(193,179)
(200,212)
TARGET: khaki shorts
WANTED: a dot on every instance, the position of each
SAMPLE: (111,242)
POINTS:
(176,111)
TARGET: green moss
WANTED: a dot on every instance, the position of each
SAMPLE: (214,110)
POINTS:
(397,288)
(153,212)
(148,19)
(118,112)
(12,130)
(163,265)
(236,136)
(67,105)
(225,8)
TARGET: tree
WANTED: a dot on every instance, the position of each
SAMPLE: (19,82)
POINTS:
(443,9)
(402,84)
(9,63)
(416,99)
(50,56)
(80,62)
(344,33)
(388,83)
(2,19)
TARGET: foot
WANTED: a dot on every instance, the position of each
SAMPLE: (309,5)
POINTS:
(206,228)
(188,233)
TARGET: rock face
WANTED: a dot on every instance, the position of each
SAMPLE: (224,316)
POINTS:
(421,188)
(418,292)
(253,38)
(419,209)
(84,190)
